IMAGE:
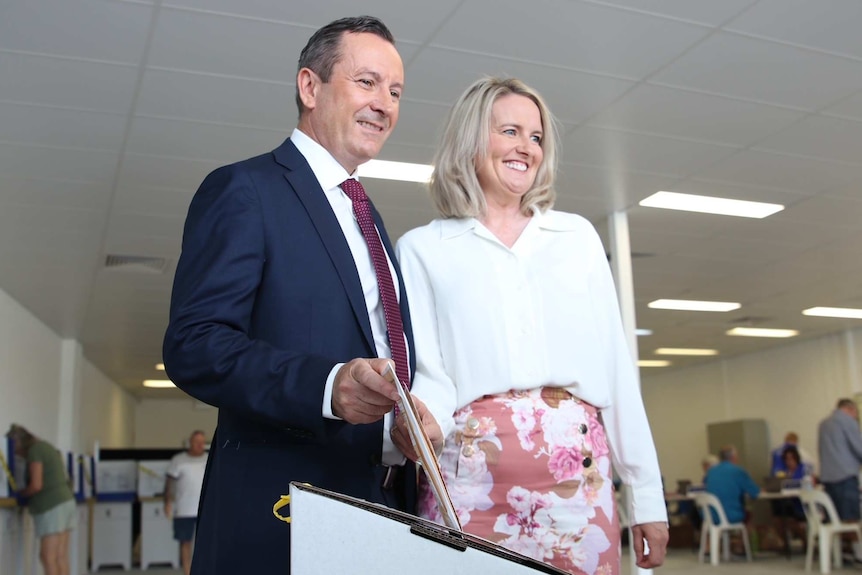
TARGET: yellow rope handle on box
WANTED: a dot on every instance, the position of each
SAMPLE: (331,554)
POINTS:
(8,472)
(282,501)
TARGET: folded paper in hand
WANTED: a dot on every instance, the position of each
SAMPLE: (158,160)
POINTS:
(425,451)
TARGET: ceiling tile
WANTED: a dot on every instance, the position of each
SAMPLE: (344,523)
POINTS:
(195,41)
(594,38)
(703,11)
(850,107)
(57,193)
(199,141)
(94,29)
(67,83)
(219,99)
(831,25)
(764,72)
(671,112)
(641,153)
(19,161)
(152,201)
(59,127)
(794,173)
(164,172)
(411,21)
(441,75)
(819,137)
(618,189)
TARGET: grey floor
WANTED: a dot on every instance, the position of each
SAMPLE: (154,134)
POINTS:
(679,561)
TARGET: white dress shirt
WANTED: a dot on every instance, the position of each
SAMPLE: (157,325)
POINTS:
(330,174)
(487,319)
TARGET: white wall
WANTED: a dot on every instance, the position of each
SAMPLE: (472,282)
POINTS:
(792,387)
(169,422)
(32,384)
(29,371)
(107,411)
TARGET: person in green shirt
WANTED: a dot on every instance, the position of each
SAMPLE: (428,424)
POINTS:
(49,498)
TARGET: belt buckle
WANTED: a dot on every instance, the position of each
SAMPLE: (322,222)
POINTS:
(389,478)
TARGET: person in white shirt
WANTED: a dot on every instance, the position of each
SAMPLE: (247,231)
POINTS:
(521,355)
(185,477)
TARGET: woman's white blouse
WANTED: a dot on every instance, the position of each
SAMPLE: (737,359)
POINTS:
(487,319)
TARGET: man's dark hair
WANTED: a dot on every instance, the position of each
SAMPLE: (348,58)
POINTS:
(323,49)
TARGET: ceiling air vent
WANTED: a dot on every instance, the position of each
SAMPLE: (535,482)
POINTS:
(749,320)
(142,264)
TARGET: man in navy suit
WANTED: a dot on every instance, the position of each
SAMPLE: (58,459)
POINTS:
(276,317)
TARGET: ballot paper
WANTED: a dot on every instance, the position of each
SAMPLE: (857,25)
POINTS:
(427,457)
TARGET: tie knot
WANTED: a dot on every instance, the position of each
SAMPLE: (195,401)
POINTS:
(354,190)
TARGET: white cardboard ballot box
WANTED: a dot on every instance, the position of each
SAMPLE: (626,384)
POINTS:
(333,533)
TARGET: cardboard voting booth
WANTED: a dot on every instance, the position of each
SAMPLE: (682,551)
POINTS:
(333,533)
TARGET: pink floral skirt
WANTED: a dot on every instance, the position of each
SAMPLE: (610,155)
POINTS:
(531,470)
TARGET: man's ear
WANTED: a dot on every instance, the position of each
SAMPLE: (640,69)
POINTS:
(308,84)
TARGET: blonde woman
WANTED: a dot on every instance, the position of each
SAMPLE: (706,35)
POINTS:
(521,356)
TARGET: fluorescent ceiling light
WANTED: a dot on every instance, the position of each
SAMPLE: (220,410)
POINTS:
(710,205)
(158,383)
(847,312)
(762,332)
(694,305)
(401,171)
(684,351)
(653,363)
(640,331)
(160,366)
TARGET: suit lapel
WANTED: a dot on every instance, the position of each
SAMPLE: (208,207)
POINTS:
(300,177)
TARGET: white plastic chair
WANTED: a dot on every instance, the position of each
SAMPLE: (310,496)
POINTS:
(828,535)
(706,501)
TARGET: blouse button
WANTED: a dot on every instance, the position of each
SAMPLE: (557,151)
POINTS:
(472,424)
(587,462)
(583,428)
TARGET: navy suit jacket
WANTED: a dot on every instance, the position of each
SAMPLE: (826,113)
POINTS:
(266,301)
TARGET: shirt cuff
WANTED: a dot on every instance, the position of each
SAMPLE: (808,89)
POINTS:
(648,506)
(390,455)
(327,393)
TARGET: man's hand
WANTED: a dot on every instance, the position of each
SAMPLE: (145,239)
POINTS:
(401,436)
(656,536)
(168,513)
(360,394)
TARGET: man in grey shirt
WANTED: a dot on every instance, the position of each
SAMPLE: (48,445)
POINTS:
(840,445)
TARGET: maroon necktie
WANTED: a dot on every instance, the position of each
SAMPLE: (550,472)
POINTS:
(394,326)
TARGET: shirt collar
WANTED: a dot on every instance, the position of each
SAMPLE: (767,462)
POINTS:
(327,170)
(549,220)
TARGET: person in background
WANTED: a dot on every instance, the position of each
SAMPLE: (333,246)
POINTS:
(183,482)
(840,446)
(708,462)
(287,306)
(730,483)
(777,456)
(49,498)
(521,355)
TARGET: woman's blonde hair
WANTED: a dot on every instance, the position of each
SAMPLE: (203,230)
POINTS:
(454,185)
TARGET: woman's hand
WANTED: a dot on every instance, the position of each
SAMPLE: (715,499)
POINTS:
(656,537)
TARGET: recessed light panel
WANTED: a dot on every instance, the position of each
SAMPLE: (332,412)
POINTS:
(685,351)
(710,205)
(694,305)
(845,312)
(762,332)
(402,171)
(159,383)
